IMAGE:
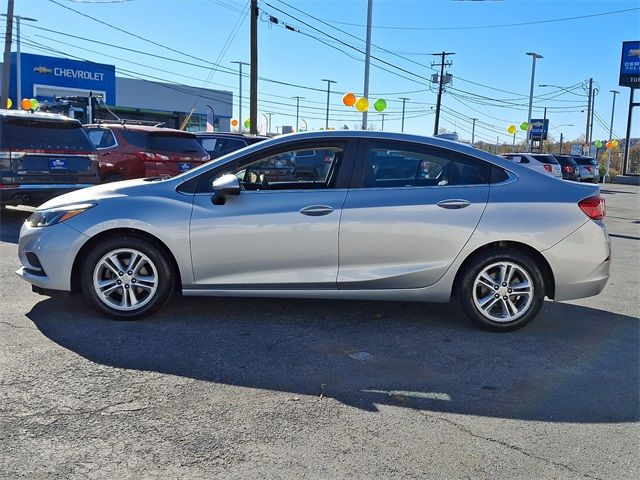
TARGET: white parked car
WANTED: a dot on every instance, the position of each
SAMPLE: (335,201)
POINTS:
(542,162)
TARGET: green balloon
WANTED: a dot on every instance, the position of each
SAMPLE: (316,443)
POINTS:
(247,123)
(598,144)
(380,105)
(34,104)
(524,126)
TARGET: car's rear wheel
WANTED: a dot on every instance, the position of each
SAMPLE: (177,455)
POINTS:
(501,290)
(127,277)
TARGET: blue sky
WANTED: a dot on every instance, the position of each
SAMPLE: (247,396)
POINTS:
(573,51)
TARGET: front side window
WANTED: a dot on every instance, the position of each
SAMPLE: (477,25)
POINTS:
(422,167)
(297,169)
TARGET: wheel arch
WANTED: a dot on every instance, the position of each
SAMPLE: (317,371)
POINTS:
(118,232)
(541,262)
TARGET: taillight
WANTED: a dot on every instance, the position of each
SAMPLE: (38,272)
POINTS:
(548,168)
(567,168)
(151,157)
(593,207)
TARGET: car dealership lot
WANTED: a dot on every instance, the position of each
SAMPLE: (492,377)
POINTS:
(257,388)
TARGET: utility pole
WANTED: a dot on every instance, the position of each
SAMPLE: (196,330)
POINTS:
(534,56)
(560,143)
(593,109)
(442,64)
(367,61)
(253,101)
(383,114)
(329,82)
(240,64)
(404,99)
(613,109)
(6,66)
(497,145)
(587,140)
(297,110)
(473,131)
(18,19)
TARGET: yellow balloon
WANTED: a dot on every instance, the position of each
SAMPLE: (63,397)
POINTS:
(511,129)
(362,105)
(614,143)
(9,103)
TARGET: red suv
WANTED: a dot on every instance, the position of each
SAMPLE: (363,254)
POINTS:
(128,151)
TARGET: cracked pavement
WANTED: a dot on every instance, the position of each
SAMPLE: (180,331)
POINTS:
(284,389)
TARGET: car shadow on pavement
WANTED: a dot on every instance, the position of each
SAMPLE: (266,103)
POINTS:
(572,364)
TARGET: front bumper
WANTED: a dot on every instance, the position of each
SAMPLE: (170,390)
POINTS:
(56,248)
(581,262)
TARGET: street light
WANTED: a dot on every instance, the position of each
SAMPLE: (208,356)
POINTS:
(18,68)
(613,109)
(534,56)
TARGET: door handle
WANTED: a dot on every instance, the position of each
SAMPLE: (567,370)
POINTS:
(454,204)
(316,210)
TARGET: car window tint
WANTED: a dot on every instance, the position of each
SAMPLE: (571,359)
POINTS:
(101,137)
(174,143)
(209,144)
(307,171)
(422,167)
(545,159)
(135,137)
(234,144)
(31,133)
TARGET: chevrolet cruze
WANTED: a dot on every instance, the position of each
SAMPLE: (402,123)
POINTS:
(391,217)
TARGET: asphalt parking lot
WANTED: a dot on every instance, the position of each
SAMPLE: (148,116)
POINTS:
(254,388)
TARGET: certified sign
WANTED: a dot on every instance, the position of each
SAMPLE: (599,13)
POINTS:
(630,65)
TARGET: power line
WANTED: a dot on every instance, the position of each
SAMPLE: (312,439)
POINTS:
(478,27)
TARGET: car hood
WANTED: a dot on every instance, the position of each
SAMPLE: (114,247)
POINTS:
(125,188)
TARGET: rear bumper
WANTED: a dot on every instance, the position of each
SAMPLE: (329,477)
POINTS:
(36,194)
(581,262)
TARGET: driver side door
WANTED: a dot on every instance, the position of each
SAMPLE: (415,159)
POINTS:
(280,231)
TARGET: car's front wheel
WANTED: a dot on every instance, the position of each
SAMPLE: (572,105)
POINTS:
(501,290)
(127,277)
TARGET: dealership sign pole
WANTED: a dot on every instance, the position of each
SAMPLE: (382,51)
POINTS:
(629,77)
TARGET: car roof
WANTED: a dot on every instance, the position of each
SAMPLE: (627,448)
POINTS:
(36,115)
(246,136)
(139,128)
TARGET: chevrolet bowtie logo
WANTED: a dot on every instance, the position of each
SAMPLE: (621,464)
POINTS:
(42,69)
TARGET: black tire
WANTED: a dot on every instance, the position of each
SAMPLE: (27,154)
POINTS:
(522,265)
(155,266)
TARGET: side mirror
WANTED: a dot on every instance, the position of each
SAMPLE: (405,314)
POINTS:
(223,187)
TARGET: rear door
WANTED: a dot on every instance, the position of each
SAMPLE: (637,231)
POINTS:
(408,214)
(48,150)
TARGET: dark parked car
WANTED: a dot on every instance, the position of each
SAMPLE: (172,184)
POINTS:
(43,155)
(589,170)
(131,150)
(220,143)
(570,168)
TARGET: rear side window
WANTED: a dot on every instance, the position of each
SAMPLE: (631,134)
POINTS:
(32,134)
(136,138)
(174,143)
(404,166)
(545,159)
(101,137)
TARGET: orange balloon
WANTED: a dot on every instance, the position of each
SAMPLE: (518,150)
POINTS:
(25,104)
(234,123)
(349,99)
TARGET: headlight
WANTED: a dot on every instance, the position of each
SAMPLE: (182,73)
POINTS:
(45,218)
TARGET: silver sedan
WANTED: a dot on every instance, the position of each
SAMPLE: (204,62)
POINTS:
(389,217)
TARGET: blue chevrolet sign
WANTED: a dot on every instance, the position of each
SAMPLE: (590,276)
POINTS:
(630,65)
(43,77)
